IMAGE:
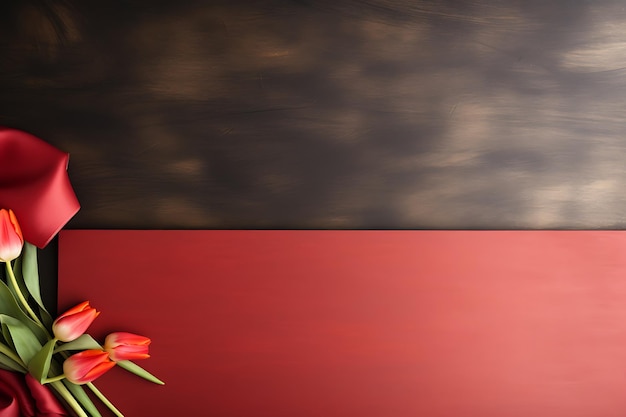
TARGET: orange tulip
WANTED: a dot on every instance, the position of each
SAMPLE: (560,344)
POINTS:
(11,239)
(86,366)
(126,346)
(74,322)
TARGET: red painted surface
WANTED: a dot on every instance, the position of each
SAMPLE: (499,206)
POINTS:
(360,323)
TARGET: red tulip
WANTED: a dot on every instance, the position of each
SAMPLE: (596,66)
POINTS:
(74,322)
(11,239)
(126,346)
(86,366)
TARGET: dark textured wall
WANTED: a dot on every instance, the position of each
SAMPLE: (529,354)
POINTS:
(326,114)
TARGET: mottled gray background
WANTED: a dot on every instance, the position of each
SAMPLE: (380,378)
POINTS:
(353,114)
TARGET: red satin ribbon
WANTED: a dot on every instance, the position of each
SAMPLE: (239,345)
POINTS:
(35,185)
(22,396)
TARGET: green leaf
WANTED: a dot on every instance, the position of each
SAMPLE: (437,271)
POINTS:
(46,318)
(26,343)
(17,272)
(7,337)
(79,393)
(139,371)
(10,365)
(10,307)
(39,365)
(30,273)
(84,342)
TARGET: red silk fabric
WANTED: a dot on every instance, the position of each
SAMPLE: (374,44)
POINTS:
(22,396)
(35,185)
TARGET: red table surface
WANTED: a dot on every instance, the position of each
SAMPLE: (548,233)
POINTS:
(360,323)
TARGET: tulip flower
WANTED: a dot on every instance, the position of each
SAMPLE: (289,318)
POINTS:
(126,346)
(11,239)
(74,322)
(86,366)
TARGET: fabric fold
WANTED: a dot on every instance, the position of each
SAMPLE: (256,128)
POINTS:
(35,185)
(22,396)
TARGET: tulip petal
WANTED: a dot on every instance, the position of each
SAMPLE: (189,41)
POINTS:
(76,309)
(98,370)
(74,322)
(125,338)
(126,346)
(11,240)
(69,328)
(86,366)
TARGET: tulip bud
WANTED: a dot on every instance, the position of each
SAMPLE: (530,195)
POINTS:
(74,322)
(11,239)
(86,366)
(123,346)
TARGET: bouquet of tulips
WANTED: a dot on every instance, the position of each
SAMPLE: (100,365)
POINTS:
(55,352)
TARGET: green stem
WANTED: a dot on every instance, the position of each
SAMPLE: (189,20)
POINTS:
(69,398)
(11,355)
(54,379)
(104,399)
(29,310)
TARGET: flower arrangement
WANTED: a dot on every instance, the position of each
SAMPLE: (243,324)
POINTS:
(47,365)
